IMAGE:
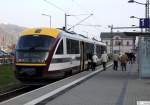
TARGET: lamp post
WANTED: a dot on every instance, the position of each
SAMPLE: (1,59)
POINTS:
(146,9)
(134,17)
(81,21)
(119,46)
(147,29)
(49,19)
(66,15)
(139,41)
(111,41)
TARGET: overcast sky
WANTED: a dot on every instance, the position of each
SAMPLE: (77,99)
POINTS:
(106,12)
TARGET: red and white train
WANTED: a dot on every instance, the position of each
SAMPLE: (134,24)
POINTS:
(49,53)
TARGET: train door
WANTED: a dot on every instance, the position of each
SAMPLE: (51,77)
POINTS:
(82,61)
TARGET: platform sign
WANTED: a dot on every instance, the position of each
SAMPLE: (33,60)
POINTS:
(143,102)
(144,23)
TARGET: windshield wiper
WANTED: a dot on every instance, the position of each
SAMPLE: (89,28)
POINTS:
(32,48)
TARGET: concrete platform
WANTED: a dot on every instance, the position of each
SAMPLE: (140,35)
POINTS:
(100,88)
(107,88)
(52,90)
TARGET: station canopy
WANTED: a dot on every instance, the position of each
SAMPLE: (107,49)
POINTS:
(143,34)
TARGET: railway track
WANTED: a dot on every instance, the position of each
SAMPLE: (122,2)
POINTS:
(15,92)
(26,87)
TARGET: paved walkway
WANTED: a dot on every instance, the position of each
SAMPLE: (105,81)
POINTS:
(107,88)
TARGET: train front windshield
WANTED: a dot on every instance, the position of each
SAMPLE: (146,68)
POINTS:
(33,48)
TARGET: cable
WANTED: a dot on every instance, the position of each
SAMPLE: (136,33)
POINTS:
(55,6)
(80,21)
(90,25)
(75,16)
(81,7)
(50,3)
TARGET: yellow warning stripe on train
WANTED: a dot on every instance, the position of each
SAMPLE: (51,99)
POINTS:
(53,32)
(26,64)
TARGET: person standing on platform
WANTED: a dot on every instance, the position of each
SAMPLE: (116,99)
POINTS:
(115,59)
(123,61)
(104,59)
(130,58)
(134,58)
(94,61)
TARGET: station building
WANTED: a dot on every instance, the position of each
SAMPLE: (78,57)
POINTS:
(118,42)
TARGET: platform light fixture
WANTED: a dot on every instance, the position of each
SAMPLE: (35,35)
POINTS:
(133,1)
(146,10)
(130,1)
(134,17)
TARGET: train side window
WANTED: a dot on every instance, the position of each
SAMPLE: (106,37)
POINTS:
(60,48)
(72,46)
(89,48)
(103,49)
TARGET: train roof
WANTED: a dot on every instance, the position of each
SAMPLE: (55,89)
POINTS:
(42,31)
(81,37)
(54,32)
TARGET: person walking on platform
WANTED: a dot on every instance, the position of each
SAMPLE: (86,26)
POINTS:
(115,59)
(123,60)
(94,61)
(104,59)
(134,58)
(130,58)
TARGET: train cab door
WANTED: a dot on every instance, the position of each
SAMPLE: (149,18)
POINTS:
(82,61)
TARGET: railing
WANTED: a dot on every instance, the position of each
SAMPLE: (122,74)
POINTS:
(7,60)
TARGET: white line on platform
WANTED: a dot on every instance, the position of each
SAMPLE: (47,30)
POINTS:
(37,100)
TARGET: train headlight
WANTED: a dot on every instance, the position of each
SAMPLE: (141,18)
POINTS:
(41,60)
(20,60)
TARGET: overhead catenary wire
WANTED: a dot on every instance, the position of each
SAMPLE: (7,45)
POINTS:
(86,24)
(61,9)
(80,21)
(82,7)
(96,27)
(55,6)
(90,25)
(75,16)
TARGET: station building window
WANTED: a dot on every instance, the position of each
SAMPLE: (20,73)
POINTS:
(118,43)
(106,43)
(127,43)
(117,38)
